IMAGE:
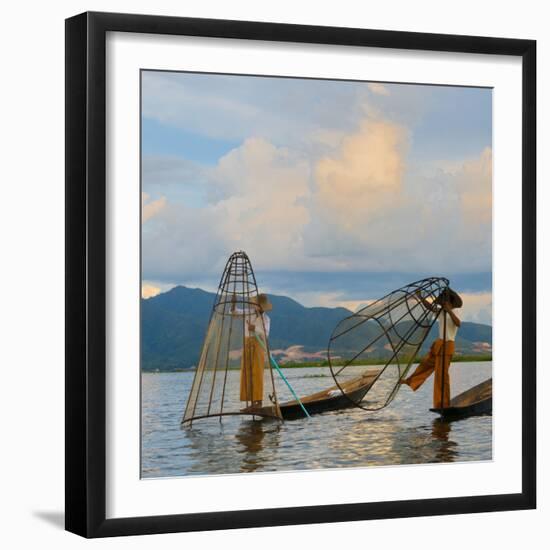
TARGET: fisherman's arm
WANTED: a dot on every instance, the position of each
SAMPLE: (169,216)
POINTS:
(424,302)
(236,310)
(453,316)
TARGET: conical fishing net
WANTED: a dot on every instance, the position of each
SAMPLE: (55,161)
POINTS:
(375,347)
(234,374)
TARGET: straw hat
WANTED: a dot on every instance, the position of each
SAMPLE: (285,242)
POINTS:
(449,295)
(263,301)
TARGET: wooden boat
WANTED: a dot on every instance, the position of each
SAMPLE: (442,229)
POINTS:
(331,399)
(476,401)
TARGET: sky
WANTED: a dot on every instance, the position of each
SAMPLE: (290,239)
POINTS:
(338,191)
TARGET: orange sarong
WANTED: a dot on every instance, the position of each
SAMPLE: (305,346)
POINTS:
(432,362)
(252,370)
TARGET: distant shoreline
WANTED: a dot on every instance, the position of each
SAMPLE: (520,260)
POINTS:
(320,364)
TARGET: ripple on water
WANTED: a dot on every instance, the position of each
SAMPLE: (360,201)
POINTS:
(403,433)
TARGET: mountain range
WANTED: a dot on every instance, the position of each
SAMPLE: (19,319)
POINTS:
(173,326)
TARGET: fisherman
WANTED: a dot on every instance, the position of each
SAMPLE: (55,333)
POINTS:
(257,325)
(438,359)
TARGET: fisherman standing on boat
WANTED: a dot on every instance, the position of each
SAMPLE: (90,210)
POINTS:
(438,359)
(256,328)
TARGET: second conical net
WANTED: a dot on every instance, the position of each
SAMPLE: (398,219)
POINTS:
(234,374)
(377,345)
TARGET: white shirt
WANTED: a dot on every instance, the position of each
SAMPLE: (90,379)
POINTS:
(450,326)
(258,322)
(252,316)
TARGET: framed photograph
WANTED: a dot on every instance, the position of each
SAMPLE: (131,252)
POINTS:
(300,274)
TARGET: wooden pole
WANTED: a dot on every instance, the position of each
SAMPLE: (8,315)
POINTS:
(443,356)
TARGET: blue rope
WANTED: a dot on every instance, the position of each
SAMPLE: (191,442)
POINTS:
(274,363)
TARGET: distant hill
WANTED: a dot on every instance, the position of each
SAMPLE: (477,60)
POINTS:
(174,323)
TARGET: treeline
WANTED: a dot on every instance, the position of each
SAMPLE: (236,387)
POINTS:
(373,361)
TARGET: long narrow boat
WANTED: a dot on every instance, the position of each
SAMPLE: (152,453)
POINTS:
(331,399)
(476,401)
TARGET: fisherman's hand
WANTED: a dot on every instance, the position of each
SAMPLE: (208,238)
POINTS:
(251,327)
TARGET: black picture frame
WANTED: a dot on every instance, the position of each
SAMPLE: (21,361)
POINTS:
(86,279)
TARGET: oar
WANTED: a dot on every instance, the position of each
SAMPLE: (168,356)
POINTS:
(274,363)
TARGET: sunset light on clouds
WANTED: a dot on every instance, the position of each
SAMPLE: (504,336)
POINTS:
(338,187)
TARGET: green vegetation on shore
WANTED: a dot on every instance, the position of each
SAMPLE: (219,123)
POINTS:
(362,362)
(340,362)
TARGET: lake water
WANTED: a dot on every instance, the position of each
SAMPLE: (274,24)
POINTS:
(405,432)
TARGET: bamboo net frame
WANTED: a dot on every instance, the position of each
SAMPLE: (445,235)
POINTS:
(234,375)
(384,338)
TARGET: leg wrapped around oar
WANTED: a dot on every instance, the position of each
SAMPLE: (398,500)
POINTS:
(433,363)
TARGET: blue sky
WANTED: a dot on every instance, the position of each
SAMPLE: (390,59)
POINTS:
(338,191)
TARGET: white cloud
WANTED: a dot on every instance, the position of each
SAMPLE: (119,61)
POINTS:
(161,169)
(258,209)
(377,88)
(326,183)
(475,182)
(182,243)
(148,291)
(361,207)
(151,208)
(170,99)
(477,307)
(365,176)
(341,195)
(221,107)
(373,210)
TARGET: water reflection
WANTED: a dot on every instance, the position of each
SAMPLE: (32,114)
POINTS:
(206,449)
(404,433)
(254,437)
(447,451)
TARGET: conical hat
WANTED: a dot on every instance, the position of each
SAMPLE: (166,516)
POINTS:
(263,301)
(449,295)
